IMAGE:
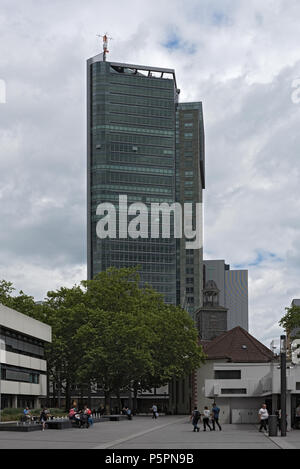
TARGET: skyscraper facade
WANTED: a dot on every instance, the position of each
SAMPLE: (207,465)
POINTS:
(143,145)
(190,182)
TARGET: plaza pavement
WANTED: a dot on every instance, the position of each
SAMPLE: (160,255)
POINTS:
(167,432)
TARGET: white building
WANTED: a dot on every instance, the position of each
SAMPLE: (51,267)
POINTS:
(23,380)
(241,374)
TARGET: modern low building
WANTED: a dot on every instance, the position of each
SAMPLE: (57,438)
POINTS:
(23,380)
(241,374)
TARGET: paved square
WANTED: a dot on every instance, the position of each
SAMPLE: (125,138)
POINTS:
(170,432)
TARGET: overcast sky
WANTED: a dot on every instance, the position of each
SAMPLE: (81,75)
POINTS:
(240,58)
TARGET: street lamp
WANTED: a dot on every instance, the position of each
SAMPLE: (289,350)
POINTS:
(283,384)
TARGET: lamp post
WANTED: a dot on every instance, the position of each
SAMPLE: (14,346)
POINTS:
(283,384)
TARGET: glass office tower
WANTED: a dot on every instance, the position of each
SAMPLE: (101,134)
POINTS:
(131,151)
(190,182)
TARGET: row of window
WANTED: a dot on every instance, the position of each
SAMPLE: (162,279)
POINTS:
(136,247)
(120,128)
(117,177)
(135,169)
(22,375)
(118,256)
(153,161)
(145,242)
(121,188)
(141,140)
(21,344)
(139,111)
(147,150)
(138,80)
(135,90)
(140,101)
(131,198)
(134,120)
(152,269)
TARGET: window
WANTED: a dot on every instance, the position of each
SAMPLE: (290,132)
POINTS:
(189,281)
(22,375)
(234,391)
(227,374)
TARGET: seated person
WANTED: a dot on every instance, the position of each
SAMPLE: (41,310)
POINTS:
(27,414)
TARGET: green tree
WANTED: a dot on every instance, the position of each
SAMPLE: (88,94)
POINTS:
(291,319)
(133,340)
(23,303)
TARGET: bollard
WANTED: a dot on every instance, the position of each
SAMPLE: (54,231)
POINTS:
(273,425)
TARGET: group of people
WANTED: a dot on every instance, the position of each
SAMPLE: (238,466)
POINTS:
(44,416)
(207,416)
(82,417)
(212,416)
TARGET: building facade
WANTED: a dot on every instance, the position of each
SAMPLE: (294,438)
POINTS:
(131,152)
(240,374)
(233,286)
(145,146)
(190,183)
(23,380)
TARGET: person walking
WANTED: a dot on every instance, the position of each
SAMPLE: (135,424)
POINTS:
(154,411)
(263,417)
(206,416)
(44,417)
(195,417)
(215,416)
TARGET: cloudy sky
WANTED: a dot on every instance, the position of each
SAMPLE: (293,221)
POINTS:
(240,58)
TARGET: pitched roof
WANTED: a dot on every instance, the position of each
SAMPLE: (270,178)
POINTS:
(238,346)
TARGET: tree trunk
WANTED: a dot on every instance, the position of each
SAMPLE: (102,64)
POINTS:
(135,404)
(107,402)
(68,395)
(90,395)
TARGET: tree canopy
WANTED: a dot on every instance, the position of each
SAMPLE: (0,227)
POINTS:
(291,320)
(111,332)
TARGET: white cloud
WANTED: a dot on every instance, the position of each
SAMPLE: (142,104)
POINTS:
(240,58)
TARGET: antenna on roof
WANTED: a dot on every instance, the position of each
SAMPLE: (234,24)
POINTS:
(105,45)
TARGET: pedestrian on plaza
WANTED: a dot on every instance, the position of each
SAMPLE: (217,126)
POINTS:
(263,417)
(215,416)
(44,417)
(154,411)
(206,416)
(279,420)
(195,417)
(88,412)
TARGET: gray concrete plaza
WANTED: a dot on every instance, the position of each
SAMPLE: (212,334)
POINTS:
(171,432)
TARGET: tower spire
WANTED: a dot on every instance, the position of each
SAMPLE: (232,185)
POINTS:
(105,45)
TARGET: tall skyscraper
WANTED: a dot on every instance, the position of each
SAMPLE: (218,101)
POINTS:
(190,182)
(142,145)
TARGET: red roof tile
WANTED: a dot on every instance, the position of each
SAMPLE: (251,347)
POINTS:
(237,345)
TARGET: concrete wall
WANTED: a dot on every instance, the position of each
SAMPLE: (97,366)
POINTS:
(26,325)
